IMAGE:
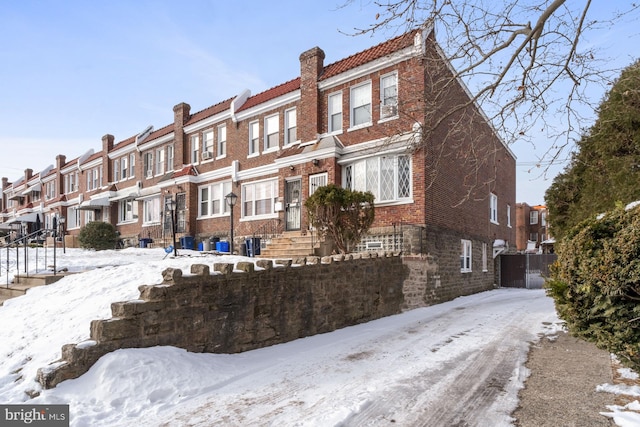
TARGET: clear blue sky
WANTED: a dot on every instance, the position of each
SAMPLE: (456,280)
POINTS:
(73,71)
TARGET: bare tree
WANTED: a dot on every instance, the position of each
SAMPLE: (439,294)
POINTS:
(527,63)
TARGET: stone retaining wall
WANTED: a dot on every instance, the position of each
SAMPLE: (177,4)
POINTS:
(237,309)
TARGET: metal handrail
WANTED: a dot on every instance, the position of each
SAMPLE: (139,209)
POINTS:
(23,241)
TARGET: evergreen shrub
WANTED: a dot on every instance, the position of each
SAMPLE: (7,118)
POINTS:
(98,235)
(595,283)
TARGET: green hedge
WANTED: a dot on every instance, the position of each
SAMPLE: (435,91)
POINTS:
(98,235)
(596,283)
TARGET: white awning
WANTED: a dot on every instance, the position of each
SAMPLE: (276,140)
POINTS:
(36,187)
(30,217)
(5,226)
(94,204)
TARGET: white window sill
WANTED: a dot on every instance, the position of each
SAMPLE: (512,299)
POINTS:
(259,217)
(252,155)
(362,126)
(388,119)
(221,157)
(271,150)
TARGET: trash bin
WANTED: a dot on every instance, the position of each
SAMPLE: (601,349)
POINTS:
(243,249)
(187,242)
(256,246)
(145,242)
(249,244)
(213,240)
(206,245)
(222,246)
(200,246)
(253,246)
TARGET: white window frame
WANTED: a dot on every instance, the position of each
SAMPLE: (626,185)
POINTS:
(533,217)
(132,165)
(508,215)
(365,179)
(389,102)
(208,145)
(543,219)
(334,108)
(159,164)
(290,126)
(316,181)
(466,260)
(195,149)
(151,211)
(249,195)
(148,164)
(116,170)
(73,218)
(254,138)
(222,141)
(360,99)
(124,168)
(170,157)
(493,208)
(485,264)
(127,211)
(272,133)
(215,203)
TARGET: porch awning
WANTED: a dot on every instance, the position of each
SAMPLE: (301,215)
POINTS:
(30,217)
(94,204)
(36,187)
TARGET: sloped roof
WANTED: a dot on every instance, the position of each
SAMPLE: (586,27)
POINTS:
(371,54)
(272,93)
(209,111)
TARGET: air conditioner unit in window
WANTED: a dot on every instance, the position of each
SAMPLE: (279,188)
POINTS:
(149,174)
(388,111)
(206,155)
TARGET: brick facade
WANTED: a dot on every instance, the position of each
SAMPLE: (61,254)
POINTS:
(431,179)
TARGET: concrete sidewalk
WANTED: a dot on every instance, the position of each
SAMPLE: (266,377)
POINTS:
(561,389)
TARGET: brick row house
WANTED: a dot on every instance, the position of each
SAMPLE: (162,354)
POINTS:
(358,122)
(532,230)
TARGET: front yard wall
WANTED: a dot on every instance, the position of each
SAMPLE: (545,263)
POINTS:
(230,311)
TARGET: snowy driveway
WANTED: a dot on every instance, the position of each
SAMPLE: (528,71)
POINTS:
(458,363)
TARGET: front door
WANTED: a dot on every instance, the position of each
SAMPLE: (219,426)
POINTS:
(293,204)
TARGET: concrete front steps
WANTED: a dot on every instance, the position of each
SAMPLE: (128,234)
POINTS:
(290,244)
(21,284)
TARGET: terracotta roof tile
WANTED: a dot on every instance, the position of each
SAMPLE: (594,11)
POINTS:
(124,143)
(93,156)
(272,93)
(209,111)
(368,55)
(187,170)
(159,132)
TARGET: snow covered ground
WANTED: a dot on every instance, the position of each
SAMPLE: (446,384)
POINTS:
(457,363)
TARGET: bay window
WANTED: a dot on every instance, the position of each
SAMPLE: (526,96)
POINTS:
(387,177)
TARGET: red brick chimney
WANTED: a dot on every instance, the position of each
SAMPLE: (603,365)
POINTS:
(107,143)
(180,117)
(309,113)
(61,160)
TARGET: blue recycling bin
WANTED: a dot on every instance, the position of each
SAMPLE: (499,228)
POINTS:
(249,244)
(187,242)
(222,246)
(144,242)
